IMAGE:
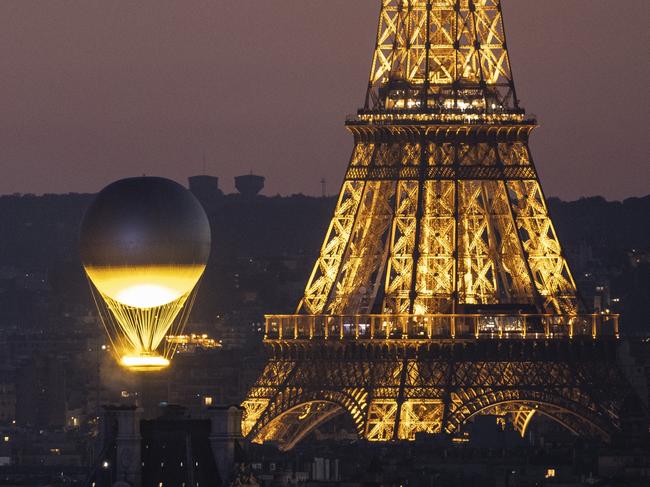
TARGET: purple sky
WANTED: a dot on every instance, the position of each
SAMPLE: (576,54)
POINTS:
(95,90)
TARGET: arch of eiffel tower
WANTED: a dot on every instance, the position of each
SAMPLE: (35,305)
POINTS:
(441,290)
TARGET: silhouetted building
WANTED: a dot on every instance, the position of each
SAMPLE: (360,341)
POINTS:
(172,450)
(7,396)
(249,185)
(40,393)
(206,189)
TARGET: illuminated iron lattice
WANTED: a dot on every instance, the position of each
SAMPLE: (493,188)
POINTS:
(441,236)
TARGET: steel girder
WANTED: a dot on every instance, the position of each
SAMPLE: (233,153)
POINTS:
(429,52)
(432,220)
(393,391)
(441,211)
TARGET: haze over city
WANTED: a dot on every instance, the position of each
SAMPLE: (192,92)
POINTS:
(469,308)
(93,91)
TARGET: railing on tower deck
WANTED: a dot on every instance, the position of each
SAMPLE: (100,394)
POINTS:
(440,326)
(462,117)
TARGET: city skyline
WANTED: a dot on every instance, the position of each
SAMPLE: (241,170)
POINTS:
(96,92)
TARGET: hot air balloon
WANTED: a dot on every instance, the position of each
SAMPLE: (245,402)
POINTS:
(144,245)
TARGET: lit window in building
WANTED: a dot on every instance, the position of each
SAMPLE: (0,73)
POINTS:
(550,473)
(207,401)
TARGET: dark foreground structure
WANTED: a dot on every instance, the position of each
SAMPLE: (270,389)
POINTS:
(441,291)
(171,450)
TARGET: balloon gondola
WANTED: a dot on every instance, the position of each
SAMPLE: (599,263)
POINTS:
(144,246)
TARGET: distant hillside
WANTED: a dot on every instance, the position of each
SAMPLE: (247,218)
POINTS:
(43,230)
(263,248)
(606,225)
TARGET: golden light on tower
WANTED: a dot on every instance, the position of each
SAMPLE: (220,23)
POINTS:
(145,243)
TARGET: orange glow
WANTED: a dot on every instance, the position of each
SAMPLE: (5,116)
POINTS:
(144,362)
(145,286)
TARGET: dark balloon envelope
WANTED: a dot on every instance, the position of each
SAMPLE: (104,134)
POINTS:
(145,221)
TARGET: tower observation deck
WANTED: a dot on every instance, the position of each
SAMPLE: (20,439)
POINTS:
(440,238)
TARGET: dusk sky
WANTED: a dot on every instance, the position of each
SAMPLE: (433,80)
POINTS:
(96,90)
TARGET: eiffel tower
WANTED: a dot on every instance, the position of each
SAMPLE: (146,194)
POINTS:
(441,290)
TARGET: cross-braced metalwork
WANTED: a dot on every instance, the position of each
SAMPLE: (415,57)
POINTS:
(391,390)
(441,238)
(432,53)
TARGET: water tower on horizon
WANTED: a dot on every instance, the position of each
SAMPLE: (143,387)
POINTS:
(249,185)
